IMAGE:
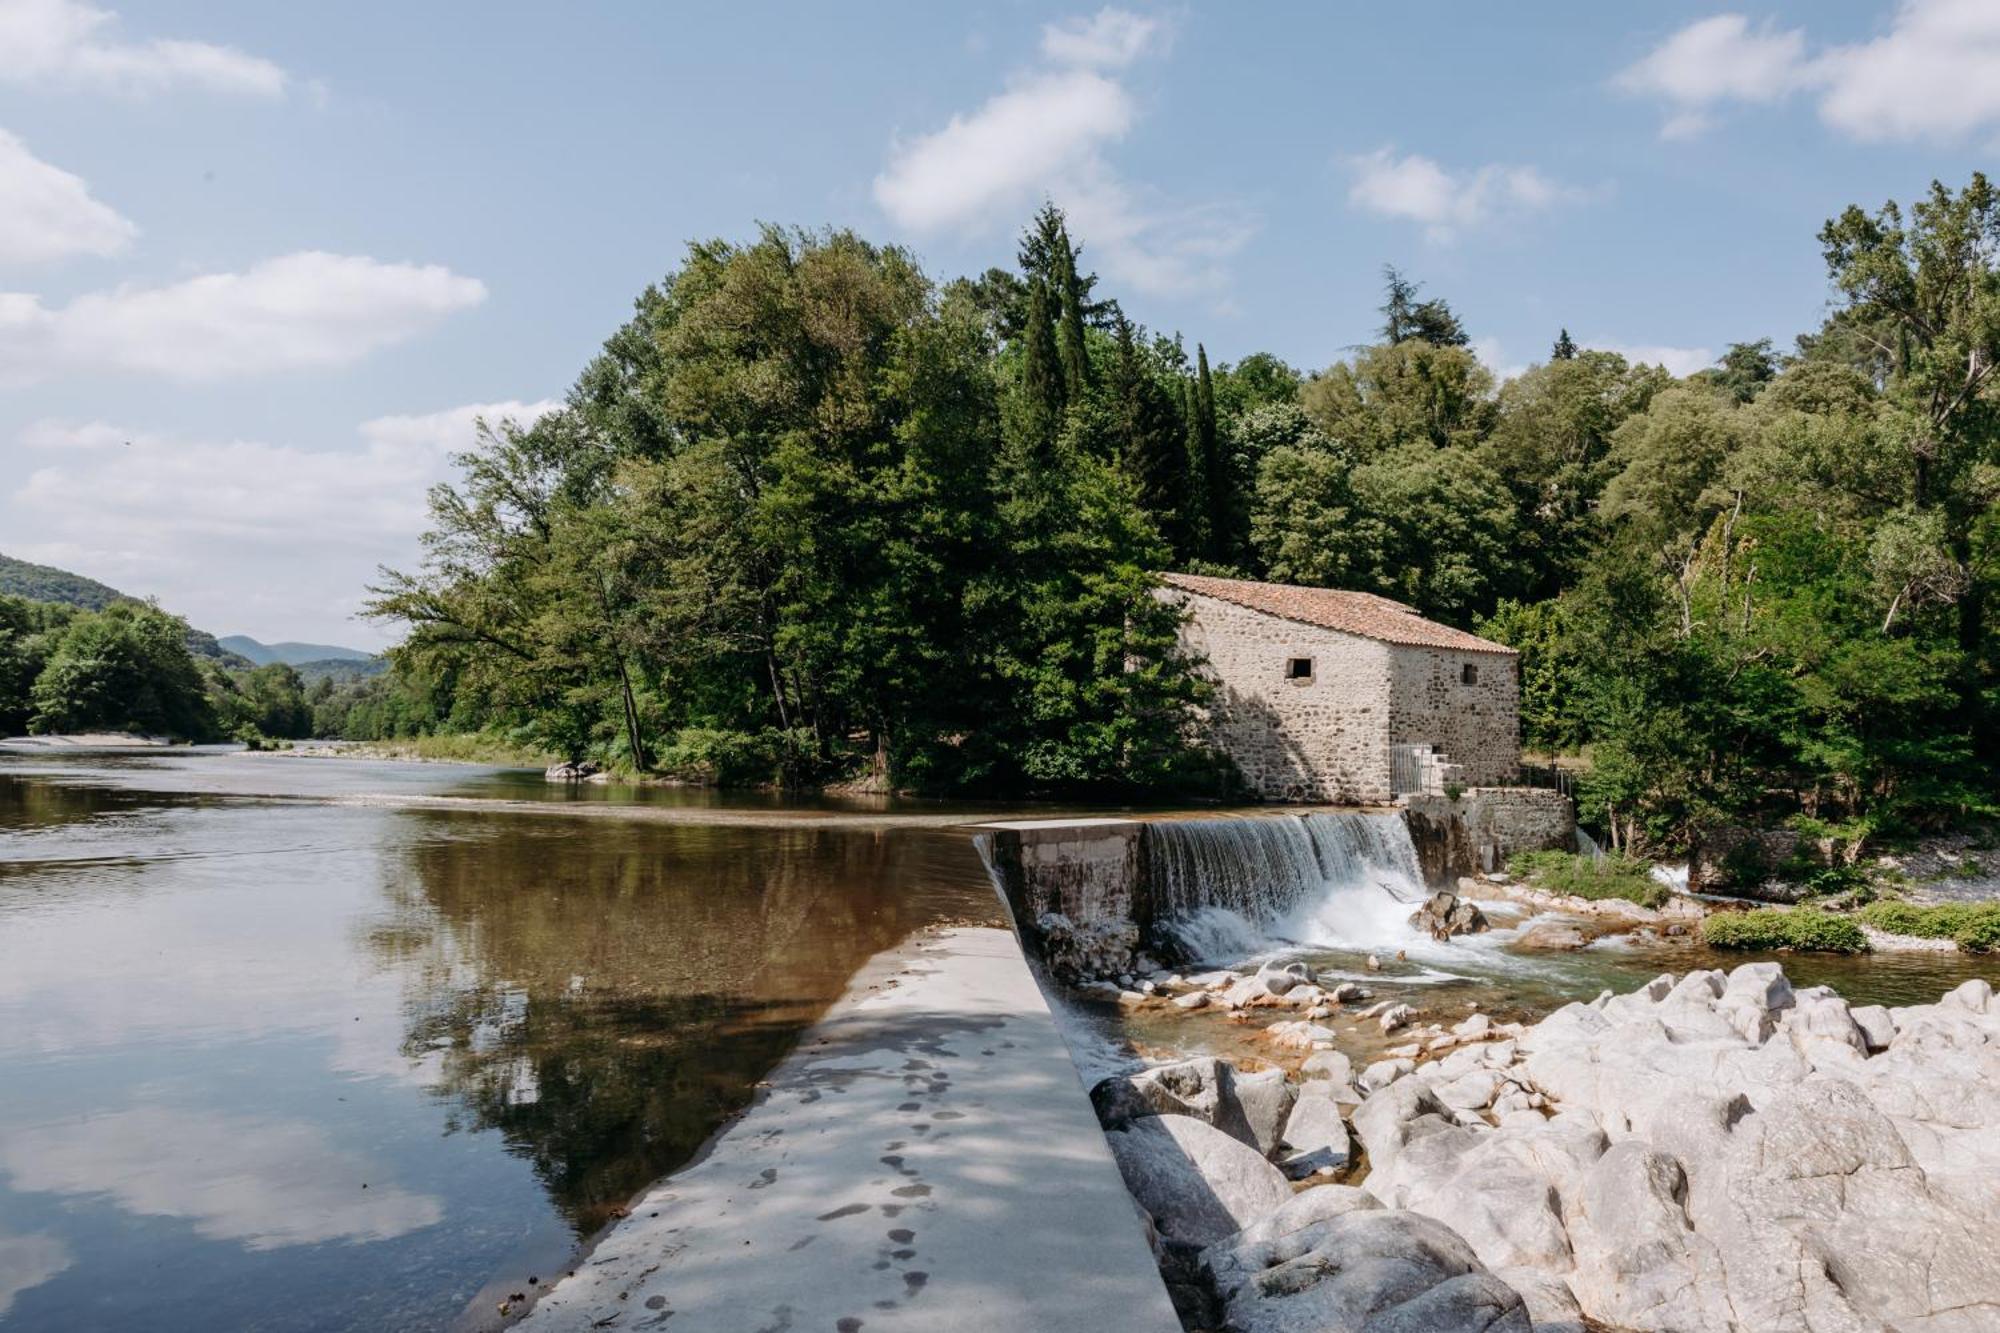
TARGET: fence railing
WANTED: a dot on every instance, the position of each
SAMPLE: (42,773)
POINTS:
(1549,776)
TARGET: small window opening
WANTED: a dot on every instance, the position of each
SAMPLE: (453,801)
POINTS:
(1299,668)
(1468,674)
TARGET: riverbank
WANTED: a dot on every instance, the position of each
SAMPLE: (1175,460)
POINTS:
(93,740)
(925,1160)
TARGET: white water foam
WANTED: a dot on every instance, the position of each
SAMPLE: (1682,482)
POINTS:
(1234,889)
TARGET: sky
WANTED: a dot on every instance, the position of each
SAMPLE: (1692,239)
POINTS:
(263,267)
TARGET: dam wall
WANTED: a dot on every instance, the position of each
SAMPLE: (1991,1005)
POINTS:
(1091,894)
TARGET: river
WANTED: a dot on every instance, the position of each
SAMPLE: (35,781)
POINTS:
(337,1044)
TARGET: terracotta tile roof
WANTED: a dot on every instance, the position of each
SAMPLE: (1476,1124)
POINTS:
(1360,613)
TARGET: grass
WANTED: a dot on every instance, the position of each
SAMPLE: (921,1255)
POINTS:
(1804,930)
(1613,876)
(1974,927)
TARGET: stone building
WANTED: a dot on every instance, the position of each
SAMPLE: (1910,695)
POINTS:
(1345,697)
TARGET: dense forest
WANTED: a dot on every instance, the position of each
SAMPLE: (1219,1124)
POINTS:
(126,665)
(812,517)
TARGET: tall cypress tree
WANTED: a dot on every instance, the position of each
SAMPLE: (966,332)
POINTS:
(1194,506)
(1565,348)
(1217,493)
(1151,440)
(1048,255)
(1042,385)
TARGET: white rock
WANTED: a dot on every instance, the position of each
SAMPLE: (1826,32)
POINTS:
(1195,999)
(1198,1184)
(1395,1016)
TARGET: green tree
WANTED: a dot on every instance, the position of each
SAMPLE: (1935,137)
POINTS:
(125,668)
(1404,317)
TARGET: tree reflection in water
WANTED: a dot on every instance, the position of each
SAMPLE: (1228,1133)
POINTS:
(605,997)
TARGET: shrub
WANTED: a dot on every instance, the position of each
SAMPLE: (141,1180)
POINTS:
(1974,927)
(1612,876)
(1805,929)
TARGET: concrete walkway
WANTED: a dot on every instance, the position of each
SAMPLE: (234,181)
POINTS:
(927,1160)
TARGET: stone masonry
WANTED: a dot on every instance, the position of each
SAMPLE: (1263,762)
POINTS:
(1313,714)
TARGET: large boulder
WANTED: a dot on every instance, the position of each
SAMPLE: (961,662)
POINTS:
(1445,914)
(1729,1153)
(1315,1140)
(1265,1100)
(1197,1183)
(1361,1269)
(1205,1088)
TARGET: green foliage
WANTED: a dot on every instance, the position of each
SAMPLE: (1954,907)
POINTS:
(862,528)
(1974,927)
(125,668)
(1590,877)
(1801,929)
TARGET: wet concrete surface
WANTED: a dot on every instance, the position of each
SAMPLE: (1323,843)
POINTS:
(926,1160)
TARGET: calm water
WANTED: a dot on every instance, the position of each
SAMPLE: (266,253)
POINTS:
(270,1061)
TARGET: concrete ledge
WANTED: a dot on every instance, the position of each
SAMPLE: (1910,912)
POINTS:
(926,1160)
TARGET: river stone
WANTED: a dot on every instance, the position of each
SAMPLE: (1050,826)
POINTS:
(1975,996)
(1471,1092)
(1878,1029)
(1761,985)
(1384,1072)
(1265,1099)
(1198,1184)
(1552,936)
(1328,1064)
(1478,1025)
(1366,1269)
(1395,1016)
(1315,1136)
(1205,1088)
(1280,980)
(1196,999)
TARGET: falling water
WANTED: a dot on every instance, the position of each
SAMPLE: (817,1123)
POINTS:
(1587,845)
(1227,888)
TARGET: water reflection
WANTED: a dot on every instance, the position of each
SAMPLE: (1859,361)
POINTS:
(605,1012)
(298,1065)
(28,1261)
(267,1183)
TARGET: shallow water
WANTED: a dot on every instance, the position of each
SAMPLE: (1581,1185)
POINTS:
(271,1061)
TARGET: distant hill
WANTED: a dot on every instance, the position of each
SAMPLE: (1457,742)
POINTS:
(341,669)
(291,654)
(45,583)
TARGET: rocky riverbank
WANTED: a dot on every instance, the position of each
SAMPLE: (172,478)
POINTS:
(1709,1152)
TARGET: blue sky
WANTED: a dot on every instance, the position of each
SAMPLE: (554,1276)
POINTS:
(261,265)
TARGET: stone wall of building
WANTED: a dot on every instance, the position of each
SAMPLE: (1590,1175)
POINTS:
(1476,724)
(1321,739)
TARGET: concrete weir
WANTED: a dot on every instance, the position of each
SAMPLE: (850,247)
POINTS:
(926,1160)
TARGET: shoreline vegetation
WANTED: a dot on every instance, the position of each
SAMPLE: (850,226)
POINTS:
(814,519)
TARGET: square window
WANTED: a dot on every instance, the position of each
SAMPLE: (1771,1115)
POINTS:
(1468,674)
(1299,668)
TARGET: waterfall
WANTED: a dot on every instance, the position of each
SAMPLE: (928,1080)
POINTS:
(1587,845)
(1228,888)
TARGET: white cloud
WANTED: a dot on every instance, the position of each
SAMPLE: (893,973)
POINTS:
(50,213)
(1046,135)
(1414,188)
(295,311)
(1677,360)
(68,43)
(1110,38)
(267,1183)
(1001,156)
(272,539)
(1935,74)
